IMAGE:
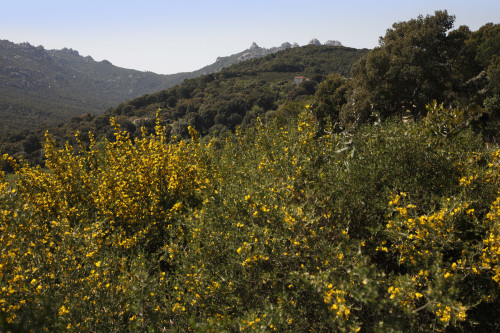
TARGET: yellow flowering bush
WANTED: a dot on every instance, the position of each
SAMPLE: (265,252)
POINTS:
(76,235)
(282,227)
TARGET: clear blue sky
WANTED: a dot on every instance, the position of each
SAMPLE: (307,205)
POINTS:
(185,35)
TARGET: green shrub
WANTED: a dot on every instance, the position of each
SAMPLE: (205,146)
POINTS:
(278,228)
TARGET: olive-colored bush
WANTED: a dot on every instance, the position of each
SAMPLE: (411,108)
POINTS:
(282,227)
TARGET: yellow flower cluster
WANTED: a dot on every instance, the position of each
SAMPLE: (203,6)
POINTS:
(110,197)
(490,259)
(419,240)
(423,232)
(445,312)
(335,299)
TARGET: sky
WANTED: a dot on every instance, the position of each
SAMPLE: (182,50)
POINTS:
(169,37)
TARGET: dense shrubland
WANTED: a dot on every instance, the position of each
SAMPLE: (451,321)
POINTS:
(285,227)
(302,221)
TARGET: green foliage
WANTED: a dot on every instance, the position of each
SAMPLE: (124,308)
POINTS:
(409,68)
(494,76)
(330,97)
(278,228)
(421,60)
(446,123)
(310,60)
(487,42)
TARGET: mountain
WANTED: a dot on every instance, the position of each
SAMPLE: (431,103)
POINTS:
(254,51)
(49,86)
(39,86)
(267,86)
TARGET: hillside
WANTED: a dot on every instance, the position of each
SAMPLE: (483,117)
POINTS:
(39,86)
(255,51)
(213,103)
(241,92)
(49,86)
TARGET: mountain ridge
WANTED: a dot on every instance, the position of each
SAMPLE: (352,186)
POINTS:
(255,51)
(48,86)
(39,86)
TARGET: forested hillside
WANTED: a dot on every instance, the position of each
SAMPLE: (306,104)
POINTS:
(357,206)
(213,103)
(47,87)
(243,91)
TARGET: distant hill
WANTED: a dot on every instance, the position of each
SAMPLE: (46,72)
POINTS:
(50,86)
(255,51)
(39,86)
(266,86)
(239,93)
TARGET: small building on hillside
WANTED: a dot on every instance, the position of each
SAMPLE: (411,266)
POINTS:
(299,79)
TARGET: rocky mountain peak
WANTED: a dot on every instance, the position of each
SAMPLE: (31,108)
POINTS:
(70,51)
(254,46)
(286,45)
(314,41)
(333,43)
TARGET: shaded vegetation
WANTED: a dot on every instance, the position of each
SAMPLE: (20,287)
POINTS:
(423,60)
(212,104)
(318,213)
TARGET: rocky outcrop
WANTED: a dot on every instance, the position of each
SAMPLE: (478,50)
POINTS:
(254,46)
(286,45)
(255,51)
(314,41)
(333,43)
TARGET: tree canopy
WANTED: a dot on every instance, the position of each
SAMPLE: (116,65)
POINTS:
(421,60)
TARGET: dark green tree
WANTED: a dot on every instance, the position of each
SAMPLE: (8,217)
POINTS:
(410,68)
(330,97)
(31,143)
(494,76)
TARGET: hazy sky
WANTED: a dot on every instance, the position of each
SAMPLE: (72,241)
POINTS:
(184,35)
